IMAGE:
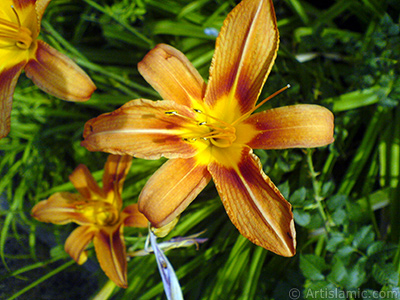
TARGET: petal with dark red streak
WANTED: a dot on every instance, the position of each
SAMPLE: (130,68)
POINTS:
(8,81)
(254,204)
(60,208)
(297,126)
(111,254)
(142,128)
(245,51)
(172,75)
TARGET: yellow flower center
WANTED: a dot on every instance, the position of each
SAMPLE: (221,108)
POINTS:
(15,33)
(99,212)
(216,131)
(213,130)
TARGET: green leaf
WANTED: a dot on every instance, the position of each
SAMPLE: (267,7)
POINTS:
(338,273)
(298,196)
(339,216)
(385,274)
(336,202)
(312,266)
(335,238)
(301,217)
(356,275)
(364,237)
(381,251)
(322,290)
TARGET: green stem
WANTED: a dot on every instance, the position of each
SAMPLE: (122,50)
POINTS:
(363,152)
(317,189)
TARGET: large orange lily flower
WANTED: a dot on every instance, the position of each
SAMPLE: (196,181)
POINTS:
(50,70)
(208,131)
(99,213)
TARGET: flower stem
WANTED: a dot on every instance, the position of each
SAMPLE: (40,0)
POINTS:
(317,189)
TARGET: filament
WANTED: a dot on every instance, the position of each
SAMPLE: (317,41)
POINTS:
(246,115)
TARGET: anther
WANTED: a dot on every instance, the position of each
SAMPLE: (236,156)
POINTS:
(173,112)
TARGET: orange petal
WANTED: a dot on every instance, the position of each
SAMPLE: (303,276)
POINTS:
(40,7)
(58,75)
(60,208)
(171,189)
(20,4)
(244,54)
(142,128)
(77,242)
(172,75)
(110,250)
(297,126)
(115,171)
(133,217)
(85,184)
(254,204)
(8,80)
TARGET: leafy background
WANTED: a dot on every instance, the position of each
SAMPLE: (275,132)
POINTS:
(341,54)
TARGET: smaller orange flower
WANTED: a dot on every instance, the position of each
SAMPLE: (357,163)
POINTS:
(20,49)
(98,211)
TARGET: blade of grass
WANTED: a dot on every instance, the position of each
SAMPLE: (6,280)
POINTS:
(42,279)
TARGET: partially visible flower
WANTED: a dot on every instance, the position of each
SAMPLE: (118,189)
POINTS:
(98,211)
(50,70)
(174,243)
(208,131)
(172,287)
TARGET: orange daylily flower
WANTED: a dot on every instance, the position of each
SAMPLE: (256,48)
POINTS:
(99,213)
(49,69)
(208,131)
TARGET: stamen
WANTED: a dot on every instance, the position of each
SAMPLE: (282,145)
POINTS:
(175,113)
(246,115)
(15,12)
(221,133)
(211,117)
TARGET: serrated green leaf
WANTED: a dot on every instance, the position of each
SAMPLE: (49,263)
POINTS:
(338,273)
(381,251)
(363,238)
(334,239)
(356,275)
(335,202)
(312,266)
(339,216)
(301,217)
(298,196)
(385,274)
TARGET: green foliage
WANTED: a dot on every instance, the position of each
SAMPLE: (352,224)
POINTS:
(346,197)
